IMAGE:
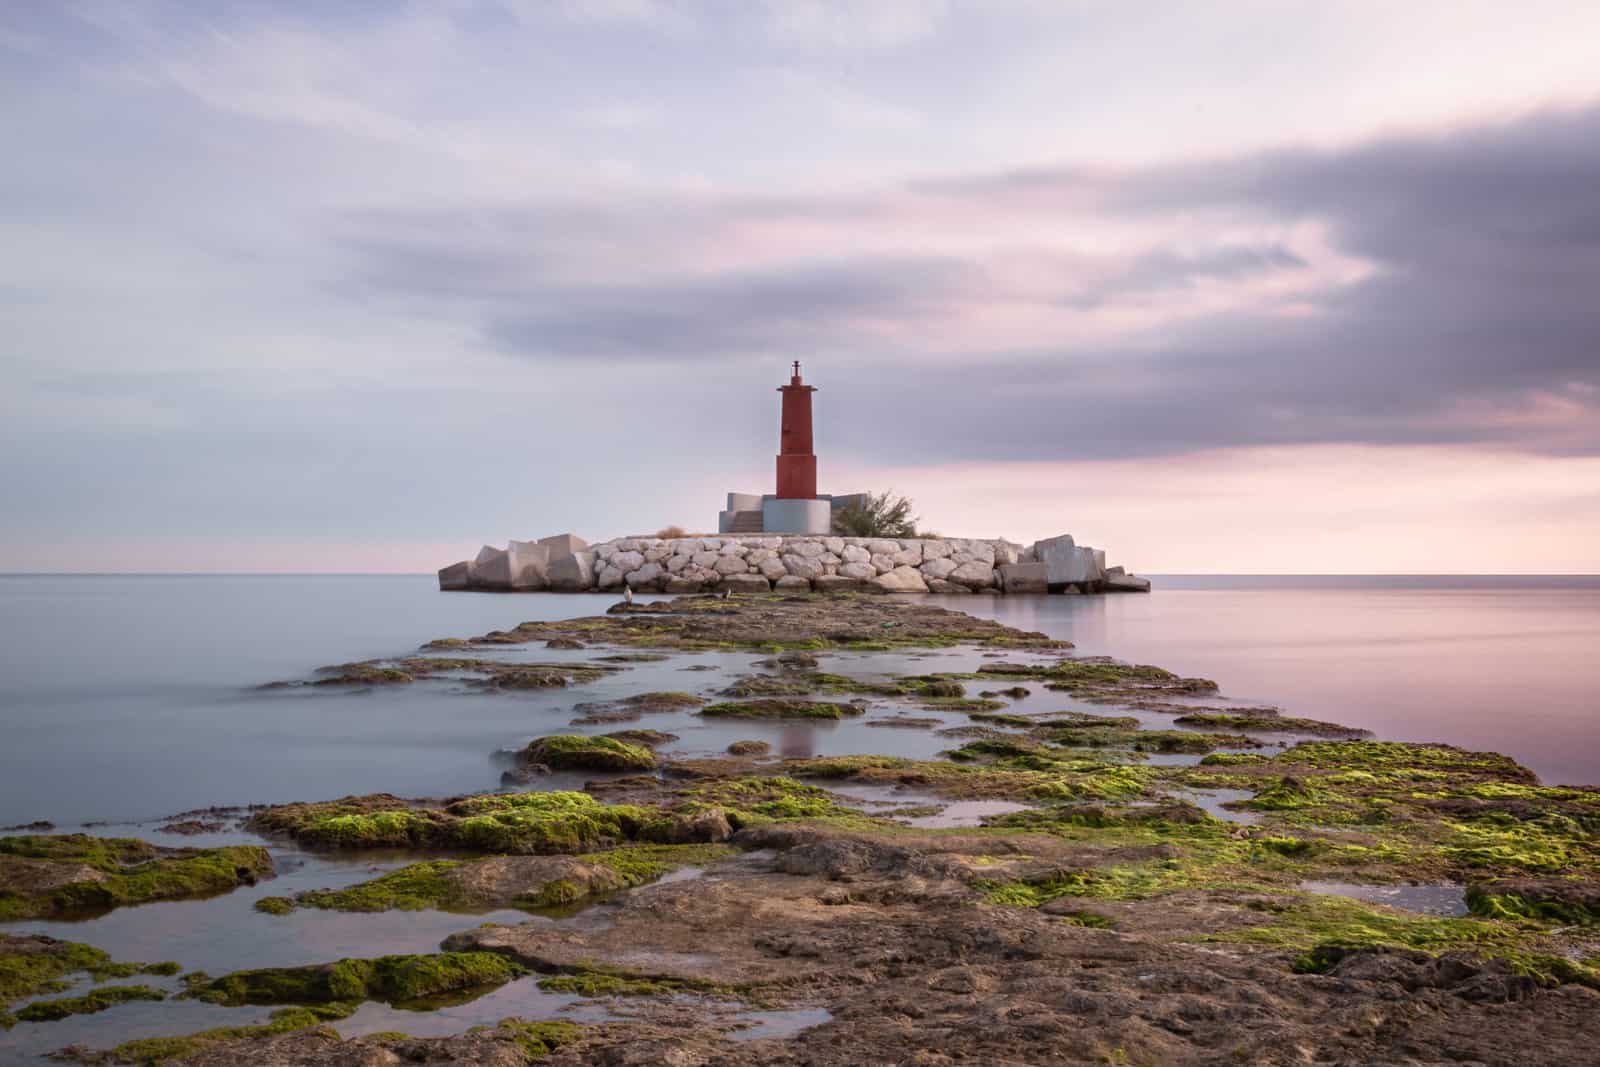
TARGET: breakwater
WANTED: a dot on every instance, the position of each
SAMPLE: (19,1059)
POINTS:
(798,563)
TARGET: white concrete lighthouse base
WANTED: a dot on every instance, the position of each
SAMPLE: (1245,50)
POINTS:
(796,516)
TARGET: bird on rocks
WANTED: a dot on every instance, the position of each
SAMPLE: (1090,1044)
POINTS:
(627,594)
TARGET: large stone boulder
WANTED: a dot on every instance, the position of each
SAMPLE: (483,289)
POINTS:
(939,585)
(1005,552)
(839,583)
(773,570)
(645,577)
(938,567)
(932,550)
(745,583)
(628,560)
(974,575)
(1088,565)
(1024,578)
(1126,583)
(528,562)
(806,567)
(492,571)
(563,545)
(792,583)
(1061,559)
(455,576)
(731,565)
(572,574)
(856,572)
(900,580)
(855,554)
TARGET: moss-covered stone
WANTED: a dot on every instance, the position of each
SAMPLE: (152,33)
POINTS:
(33,965)
(74,874)
(392,979)
(159,1050)
(578,752)
(517,823)
(780,708)
(87,1004)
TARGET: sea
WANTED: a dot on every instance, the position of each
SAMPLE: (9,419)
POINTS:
(133,697)
(127,699)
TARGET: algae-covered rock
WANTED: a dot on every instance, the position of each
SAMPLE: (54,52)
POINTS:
(781,708)
(514,823)
(392,979)
(77,873)
(576,752)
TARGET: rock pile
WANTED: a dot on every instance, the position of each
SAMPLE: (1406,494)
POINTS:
(800,563)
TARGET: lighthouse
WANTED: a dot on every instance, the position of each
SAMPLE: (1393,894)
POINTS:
(797,464)
(796,507)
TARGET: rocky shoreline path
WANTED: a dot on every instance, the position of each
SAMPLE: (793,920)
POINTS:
(1049,859)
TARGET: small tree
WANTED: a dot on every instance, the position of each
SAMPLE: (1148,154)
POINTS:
(877,515)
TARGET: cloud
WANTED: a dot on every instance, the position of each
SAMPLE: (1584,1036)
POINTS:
(1411,290)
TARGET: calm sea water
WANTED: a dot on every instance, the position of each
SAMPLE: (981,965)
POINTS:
(132,697)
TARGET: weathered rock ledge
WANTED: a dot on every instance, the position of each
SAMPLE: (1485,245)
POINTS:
(799,563)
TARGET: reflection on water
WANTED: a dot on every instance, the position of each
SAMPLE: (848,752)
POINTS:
(1500,664)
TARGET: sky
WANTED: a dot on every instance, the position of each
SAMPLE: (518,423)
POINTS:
(1244,287)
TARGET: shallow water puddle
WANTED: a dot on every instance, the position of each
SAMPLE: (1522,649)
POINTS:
(521,998)
(964,813)
(1212,800)
(1443,901)
(226,933)
(759,1024)
(32,1042)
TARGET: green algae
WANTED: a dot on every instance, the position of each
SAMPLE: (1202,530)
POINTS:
(538,1039)
(93,1001)
(127,871)
(1540,904)
(32,965)
(391,979)
(1267,724)
(274,905)
(780,708)
(603,984)
(969,704)
(417,887)
(159,1050)
(517,823)
(662,701)
(1028,776)
(583,753)
(1313,924)
(1136,740)
(640,864)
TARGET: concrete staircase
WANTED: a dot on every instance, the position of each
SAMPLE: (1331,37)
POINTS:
(746,522)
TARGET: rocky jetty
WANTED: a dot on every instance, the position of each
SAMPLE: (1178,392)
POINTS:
(799,563)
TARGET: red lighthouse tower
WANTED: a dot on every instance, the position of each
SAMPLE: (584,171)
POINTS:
(797,464)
